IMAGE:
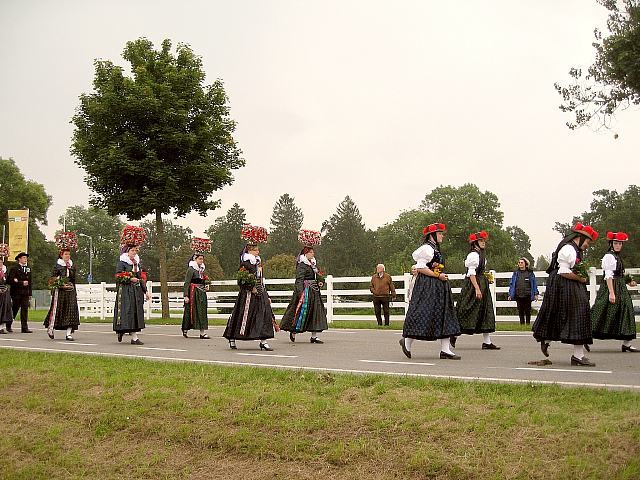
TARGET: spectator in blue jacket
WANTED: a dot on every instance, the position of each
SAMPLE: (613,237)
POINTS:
(523,288)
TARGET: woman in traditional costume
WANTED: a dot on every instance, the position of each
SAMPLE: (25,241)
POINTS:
(306,312)
(63,313)
(564,315)
(6,315)
(431,315)
(612,314)
(475,306)
(196,286)
(128,315)
(252,317)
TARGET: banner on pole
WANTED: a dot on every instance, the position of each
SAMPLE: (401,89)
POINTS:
(18,232)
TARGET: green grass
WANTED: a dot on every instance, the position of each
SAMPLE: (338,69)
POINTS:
(71,416)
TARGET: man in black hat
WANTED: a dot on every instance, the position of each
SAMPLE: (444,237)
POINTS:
(19,279)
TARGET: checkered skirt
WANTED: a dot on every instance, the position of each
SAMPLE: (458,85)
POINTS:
(613,320)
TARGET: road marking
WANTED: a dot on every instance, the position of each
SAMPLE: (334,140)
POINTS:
(267,355)
(74,343)
(398,363)
(562,370)
(163,349)
(12,340)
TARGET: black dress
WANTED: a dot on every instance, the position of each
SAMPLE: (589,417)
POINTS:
(305,312)
(64,302)
(431,314)
(6,316)
(128,314)
(195,312)
(476,315)
(252,317)
(565,314)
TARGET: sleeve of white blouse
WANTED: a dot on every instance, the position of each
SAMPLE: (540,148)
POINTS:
(608,265)
(423,255)
(566,259)
(472,262)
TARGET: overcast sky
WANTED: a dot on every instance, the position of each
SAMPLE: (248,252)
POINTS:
(379,100)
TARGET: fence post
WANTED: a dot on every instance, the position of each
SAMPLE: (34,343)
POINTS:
(103,300)
(407,281)
(329,280)
(150,301)
(592,286)
(492,289)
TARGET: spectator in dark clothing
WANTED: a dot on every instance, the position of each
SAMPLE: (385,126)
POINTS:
(523,288)
(383,292)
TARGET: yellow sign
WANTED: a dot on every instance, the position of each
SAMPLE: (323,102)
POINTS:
(18,232)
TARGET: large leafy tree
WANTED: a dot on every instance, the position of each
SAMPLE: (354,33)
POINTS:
(156,142)
(286,221)
(611,211)
(521,242)
(104,232)
(226,241)
(176,237)
(613,80)
(16,192)
(347,247)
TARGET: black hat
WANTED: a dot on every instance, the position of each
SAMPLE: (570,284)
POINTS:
(21,254)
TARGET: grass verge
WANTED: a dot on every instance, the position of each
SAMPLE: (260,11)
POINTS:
(70,416)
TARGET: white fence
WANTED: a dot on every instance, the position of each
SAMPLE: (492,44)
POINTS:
(97,300)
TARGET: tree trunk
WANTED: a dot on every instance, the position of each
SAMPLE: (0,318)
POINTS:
(162,254)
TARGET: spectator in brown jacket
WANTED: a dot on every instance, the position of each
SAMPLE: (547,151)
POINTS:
(383,291)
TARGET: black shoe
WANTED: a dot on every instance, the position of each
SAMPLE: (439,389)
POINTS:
(136,342)
(581,362)
(232,345)
(587,347)
(630,348)
(9,329)
(50,334)
(406,352)
(264,346)
(184,334)
(453,339)
(490,346)
(4,332)
(120,334)
(26,330)
(315,340)
(204,337)
(292,337)
(449,356)
(544,346)
(69,338)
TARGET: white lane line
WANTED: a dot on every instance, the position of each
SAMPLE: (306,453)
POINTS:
(74,343)
(336,370)
(267,355)
(562,370)
(12,340)
(398,363)
(163,349)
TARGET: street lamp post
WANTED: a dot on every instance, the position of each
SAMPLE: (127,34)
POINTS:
(90,277)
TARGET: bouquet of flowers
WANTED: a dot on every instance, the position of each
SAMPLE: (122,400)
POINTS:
(206,280)
(580,269)
(438,268)
(57,282)
(253,234)
(321,276)
(4,250)
(309,238)
(132,235)
(629,279)
(201,245)
(67,240)
(124,277)
(245,278)
(489,276)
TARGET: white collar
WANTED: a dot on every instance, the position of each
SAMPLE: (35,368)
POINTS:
(125,258)
(252,258)
(62,264)
(4,269)
(195,266)
(304,259)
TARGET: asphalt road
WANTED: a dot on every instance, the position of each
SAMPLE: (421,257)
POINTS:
(358,351)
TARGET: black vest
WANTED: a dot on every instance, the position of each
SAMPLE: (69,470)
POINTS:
(438,258)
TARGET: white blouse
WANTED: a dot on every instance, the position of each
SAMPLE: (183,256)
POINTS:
(609,264)
(472,262)
(423,255)
(567,259)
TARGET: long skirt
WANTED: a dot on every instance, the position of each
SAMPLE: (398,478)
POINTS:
(252,317)
(6,315)
(431,314)
(564,315)
(63,310)
(476,316)
(128,314)
(614,321)
(195,312)
(306,312)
